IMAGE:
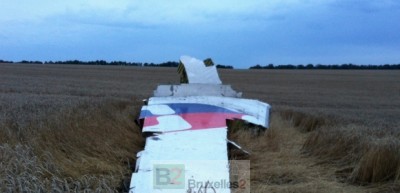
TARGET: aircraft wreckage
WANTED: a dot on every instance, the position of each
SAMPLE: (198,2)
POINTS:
(186,131)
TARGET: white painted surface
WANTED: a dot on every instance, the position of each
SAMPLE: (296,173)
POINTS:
(159,109)
(203,152)
(198,72)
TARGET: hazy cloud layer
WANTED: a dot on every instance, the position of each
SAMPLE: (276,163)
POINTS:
(234,32)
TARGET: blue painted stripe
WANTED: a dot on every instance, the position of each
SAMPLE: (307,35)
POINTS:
(184,108)
(145,113)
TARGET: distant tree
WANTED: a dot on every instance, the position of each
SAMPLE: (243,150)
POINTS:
(270,66)
(335,66)
(224,66)
(5,61)
(168,64)
(348,66)
(319,66)
(256,67)
(288,66)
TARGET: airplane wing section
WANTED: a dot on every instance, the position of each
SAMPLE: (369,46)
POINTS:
(186,131)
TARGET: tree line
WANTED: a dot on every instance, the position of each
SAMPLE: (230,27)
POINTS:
(94,62)
(103,62)
(330,66)
(176,64)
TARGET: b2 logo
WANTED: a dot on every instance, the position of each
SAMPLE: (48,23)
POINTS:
(169,176)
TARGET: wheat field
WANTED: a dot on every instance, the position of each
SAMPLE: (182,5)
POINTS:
(70,128)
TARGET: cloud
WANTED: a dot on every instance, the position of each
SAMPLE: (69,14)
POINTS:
(150,12)
(234,32)
(367,6)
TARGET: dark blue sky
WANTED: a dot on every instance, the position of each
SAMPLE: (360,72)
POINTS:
(234,32)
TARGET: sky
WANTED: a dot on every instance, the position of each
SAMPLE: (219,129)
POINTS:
(232,32)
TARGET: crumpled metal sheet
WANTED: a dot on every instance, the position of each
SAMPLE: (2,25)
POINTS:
(198,72)
(184,90)
(186,124)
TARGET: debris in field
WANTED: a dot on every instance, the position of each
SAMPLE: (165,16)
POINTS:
(187,129)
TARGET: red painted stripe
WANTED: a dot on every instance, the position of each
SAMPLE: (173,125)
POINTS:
(150,121)
(209,120)
(199,120)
